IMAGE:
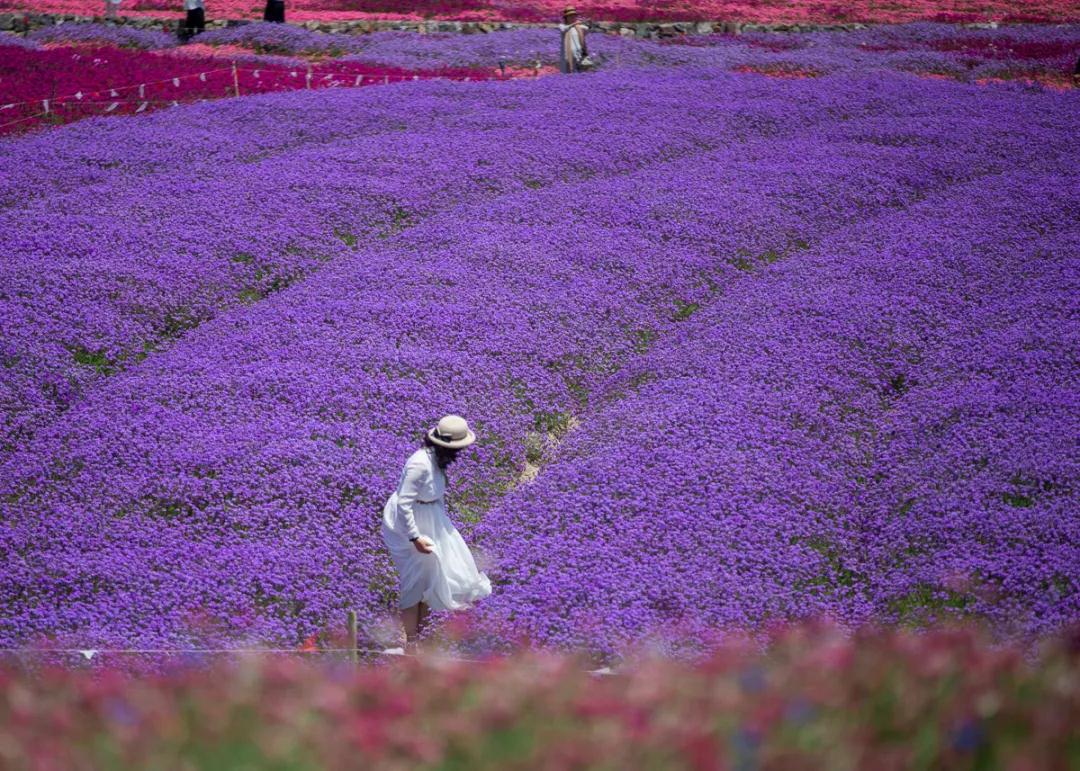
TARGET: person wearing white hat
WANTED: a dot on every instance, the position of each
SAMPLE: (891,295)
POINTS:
(573,51)
(435,568)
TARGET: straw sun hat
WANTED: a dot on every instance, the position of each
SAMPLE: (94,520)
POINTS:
(569,11)
(452,432)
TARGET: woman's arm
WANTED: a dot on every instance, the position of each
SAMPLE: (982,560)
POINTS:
(407,495)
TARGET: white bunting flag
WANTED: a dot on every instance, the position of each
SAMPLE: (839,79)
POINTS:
(88,654)
(45,104)
(176,82)
(292,74)
(7,107)
(416,77)
(78,95)
(202,76)
(256,74)
(466,78)
(112,107)
(141,107)
(175,103)
(142,90)
(112,92)
(359,79)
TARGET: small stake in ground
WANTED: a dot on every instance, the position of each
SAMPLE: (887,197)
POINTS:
(352,636)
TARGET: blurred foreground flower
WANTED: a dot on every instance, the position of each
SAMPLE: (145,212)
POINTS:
(880,699)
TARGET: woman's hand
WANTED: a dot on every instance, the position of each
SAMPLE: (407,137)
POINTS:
(424,545)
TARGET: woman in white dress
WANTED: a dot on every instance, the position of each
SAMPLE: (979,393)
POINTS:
(435,568)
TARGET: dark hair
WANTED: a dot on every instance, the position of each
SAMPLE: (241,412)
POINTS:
(443,455)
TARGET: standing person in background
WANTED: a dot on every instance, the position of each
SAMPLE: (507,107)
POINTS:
(573,53)
(274,11)
(195,20)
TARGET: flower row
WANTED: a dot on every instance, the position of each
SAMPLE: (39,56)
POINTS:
(1020,51)
(59,85)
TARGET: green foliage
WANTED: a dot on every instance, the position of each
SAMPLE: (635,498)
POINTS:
(99,360)
(926,603)
(400,218)
(1018,500)
(250,295)
(554,423)
(347,238)
(643,339)
(684,310)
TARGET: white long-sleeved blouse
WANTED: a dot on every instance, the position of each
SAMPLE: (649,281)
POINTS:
(422,482)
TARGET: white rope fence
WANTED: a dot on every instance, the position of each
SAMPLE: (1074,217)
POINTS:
(336,79)
(90,653)
(114,91)
(26,118)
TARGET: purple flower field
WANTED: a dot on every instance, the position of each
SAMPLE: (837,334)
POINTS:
(738,348)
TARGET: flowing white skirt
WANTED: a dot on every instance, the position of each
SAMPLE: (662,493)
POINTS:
(446,579)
